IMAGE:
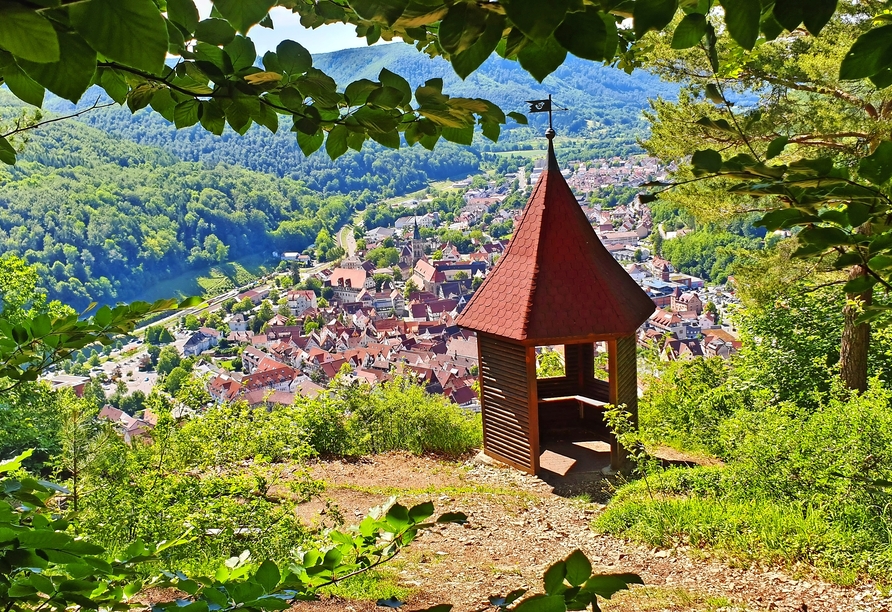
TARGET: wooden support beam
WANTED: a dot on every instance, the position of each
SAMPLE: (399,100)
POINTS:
(533,411)
(617,457)
(623,360)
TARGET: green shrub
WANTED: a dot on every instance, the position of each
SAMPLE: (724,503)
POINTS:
(30,418)
(821,457)
(685,405)
(790,344)
(231,477)
(324,423)
(44,564)
(356,419)
(223,514)
(400,415)
(228,433)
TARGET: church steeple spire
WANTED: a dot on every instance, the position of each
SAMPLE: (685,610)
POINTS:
(417,244)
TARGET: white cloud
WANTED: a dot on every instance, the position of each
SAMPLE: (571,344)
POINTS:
(287,26)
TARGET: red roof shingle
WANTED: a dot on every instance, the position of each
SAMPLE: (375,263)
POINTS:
(556,279)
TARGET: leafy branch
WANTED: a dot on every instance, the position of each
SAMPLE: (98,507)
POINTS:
(33,126)
(29,346)
(215,80)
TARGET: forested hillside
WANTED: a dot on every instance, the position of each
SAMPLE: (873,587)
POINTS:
(110,202)
(103,218)
(369,174)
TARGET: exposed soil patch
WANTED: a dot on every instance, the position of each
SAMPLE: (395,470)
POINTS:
(671,456)
(518,526)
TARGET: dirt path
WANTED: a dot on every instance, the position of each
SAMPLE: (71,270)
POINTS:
(518,527)
(346,240)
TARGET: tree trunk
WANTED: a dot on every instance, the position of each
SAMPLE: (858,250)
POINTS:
(855,337)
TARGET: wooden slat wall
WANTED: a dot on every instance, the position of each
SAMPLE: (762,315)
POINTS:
(623,387)
(554,387)
(586,359)
(504,384)
(571,360)
(598,389)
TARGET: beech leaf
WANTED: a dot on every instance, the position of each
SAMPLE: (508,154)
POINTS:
(652,15)
(742,18)
(131,32)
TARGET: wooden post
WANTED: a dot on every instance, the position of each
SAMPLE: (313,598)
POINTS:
(617,457)
(627,375)
(623,360)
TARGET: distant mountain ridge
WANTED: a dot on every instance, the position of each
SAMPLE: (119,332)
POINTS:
(583,86)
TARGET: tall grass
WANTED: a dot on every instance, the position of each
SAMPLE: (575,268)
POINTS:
(751,529)
(798,486)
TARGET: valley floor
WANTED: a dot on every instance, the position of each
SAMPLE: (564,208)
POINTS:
(518,526)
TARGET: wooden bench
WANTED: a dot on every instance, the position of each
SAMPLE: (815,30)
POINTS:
(580,399)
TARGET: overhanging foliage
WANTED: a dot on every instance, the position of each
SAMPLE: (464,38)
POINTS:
(191,71)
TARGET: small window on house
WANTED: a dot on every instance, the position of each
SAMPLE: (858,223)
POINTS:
(550,362)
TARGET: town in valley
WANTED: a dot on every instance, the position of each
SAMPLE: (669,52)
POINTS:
(387,305)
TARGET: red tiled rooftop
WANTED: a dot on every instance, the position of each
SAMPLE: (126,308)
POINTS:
(556,280)
(263,396)
(348,277)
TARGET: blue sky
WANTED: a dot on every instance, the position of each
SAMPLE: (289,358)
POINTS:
(321,40)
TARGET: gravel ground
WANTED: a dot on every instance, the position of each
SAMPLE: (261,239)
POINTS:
(518,526)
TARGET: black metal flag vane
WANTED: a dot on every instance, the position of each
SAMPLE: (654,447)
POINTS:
(544,106)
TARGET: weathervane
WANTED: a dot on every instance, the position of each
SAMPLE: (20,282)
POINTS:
(543,106)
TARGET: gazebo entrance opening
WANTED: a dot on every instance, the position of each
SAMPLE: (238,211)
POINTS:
(571,405)
(571,400)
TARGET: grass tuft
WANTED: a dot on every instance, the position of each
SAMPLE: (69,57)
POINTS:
(691,507)
(369,586)
(664,599)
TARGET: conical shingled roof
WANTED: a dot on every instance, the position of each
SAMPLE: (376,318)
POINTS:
(556,280)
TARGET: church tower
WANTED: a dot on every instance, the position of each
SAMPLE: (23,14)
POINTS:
(417,244)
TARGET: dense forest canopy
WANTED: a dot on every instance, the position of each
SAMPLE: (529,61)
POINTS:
(103,218)
(372,173)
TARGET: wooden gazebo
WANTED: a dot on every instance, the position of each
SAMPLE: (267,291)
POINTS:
(556,284)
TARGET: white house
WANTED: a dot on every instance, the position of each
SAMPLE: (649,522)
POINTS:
(301,301)
(237,323)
